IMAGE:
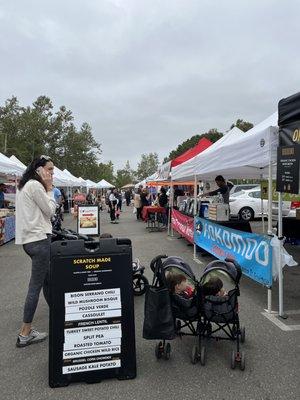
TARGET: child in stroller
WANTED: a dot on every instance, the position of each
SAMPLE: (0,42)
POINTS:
(212,309)
(182,299)
(219,309)
(174,300)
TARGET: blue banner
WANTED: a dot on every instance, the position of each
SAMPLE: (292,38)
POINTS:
(253,252)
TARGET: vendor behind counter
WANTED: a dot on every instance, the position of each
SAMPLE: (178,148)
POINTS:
(223,189)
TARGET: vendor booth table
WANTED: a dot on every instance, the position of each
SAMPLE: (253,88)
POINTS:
(154,216)
(7,229)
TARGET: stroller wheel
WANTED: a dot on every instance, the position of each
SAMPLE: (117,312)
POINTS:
(243,334)
(203,355)
(139,284)
(167,352)
(159,349)
(195,355)
(233,359)
(242,361)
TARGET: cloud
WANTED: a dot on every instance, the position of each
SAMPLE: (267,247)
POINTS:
(149,74)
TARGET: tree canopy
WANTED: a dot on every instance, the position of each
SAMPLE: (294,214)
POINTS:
(37,129)
(212,134)
(147,165)
(242,125)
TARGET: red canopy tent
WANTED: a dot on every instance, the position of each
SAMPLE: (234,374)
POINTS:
(202,145)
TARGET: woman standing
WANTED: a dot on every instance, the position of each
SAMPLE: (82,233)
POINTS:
(113,201)
(138,204)
(35,206)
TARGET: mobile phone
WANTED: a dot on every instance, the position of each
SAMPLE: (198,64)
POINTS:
(39,170)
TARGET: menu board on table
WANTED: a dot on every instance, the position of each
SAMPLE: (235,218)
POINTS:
(91,312)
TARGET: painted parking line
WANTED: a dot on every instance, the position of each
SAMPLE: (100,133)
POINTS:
(273,317)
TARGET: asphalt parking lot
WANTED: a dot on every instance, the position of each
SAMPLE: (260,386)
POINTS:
(272,354)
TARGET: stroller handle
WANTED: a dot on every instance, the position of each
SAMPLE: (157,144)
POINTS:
(155,259)
(238,268)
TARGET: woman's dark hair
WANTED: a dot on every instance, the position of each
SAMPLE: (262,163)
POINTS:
(30,172)
(163,190)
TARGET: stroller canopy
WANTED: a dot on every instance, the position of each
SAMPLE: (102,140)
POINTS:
(228,271)
(179,265)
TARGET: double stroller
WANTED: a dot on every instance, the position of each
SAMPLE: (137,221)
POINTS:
(197,310)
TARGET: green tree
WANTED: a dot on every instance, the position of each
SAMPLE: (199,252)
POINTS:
(213,135)
(106,171)
(124,176)
(33,130)
(242,125)
(9,125)
(147,166)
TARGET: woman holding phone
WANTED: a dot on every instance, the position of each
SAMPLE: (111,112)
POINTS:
(35,206)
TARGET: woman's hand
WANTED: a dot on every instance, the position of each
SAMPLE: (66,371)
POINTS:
(47,178)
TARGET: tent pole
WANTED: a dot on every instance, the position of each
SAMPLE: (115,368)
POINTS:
(195,212)
(270,196)
(280,274)
(171,208)
(262,207)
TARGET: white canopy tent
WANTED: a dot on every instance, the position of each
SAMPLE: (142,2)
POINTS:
(17,161)
(9,167)
(77,182)
(91,185)
(103,184)
(235,155)
(83,182)
(59,177)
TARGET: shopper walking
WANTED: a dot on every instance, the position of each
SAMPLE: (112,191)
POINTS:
(113,201)
(128,197)
(138,204)
(35,205)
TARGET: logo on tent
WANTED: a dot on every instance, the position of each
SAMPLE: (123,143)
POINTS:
(262,142)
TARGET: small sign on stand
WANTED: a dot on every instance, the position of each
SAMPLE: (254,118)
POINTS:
(88,221)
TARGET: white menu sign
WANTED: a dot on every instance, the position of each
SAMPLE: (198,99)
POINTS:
(93,331)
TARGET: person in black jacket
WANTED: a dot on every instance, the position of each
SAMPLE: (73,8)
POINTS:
(163,202)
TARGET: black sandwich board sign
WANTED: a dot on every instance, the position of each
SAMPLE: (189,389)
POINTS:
(288,152)
(88,221)
(92,332)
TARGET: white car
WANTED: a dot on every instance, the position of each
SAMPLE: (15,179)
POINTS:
(246,204)
(288,209)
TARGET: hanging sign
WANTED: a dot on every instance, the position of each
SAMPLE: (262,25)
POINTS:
(253,252)
(183,224)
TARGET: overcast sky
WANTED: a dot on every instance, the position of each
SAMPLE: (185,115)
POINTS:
(149,74)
